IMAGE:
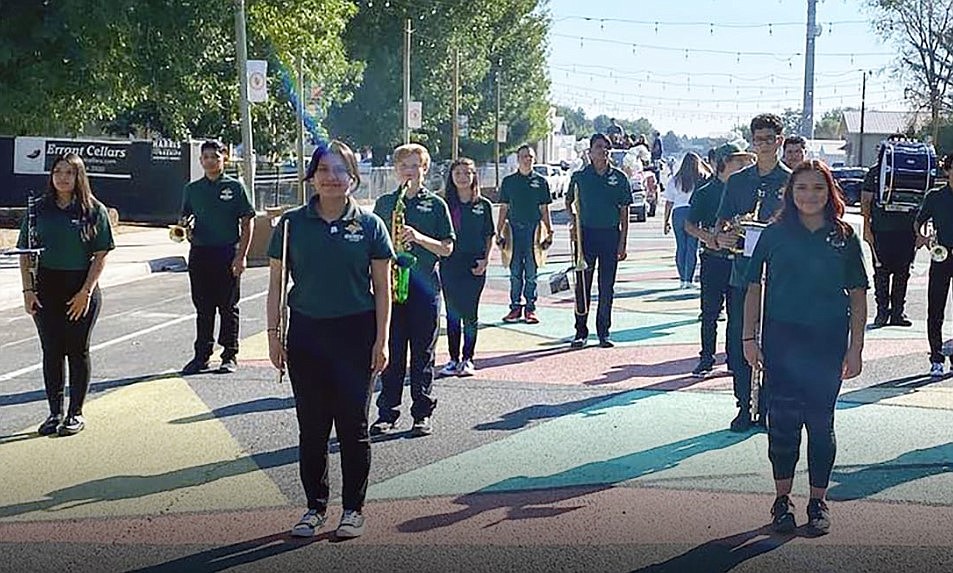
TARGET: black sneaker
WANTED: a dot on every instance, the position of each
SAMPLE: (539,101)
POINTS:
(704,369)
(195,366)
(742,422)
(900,320)
(381,427)
(73,424)
(818,516)
(606,343)
(782,515)
(578,342)
(881,319)
(229,366)
(422,427)
(49,427)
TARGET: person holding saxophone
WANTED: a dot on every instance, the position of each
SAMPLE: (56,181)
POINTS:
(938,207)
(812,331)
(337,336)
(420,227)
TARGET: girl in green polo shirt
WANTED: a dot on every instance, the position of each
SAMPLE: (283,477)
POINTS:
(815,307)
(73,229)
(337,342)
(463,273)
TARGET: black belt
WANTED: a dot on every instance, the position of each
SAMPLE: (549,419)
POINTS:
(720,254)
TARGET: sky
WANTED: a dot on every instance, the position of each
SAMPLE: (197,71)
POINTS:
(633,58)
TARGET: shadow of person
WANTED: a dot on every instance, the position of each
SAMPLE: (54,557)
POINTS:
(524,416)
(520,494)
(242,553)
(722,555)
(862,481)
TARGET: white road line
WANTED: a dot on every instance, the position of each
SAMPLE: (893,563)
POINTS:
(120,339)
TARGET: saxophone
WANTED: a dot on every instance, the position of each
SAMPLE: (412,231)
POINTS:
(738,225)
(404,260)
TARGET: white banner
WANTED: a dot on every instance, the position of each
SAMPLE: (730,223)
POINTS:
(415,115)
(257,80)
(501,133)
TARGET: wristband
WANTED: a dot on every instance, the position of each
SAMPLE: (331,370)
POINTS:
(747,339)
(273,329)
(26,290)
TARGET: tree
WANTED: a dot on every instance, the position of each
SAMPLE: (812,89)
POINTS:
(923,30)
(671,142)
(501,40)
(791,118)
(162,67)
(829,125)
(575,121)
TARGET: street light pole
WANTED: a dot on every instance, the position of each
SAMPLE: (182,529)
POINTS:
(300,130)
(863,111)
(455,131)
(248,153)
(407,32)
(496,136)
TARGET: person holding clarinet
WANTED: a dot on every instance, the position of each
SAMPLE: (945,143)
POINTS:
(811,331)
(337,336)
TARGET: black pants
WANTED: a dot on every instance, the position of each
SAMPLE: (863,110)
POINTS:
(63,339)
(461,290)
(600,248)
(214,289)
(414,324)
(741,370)
(716,294)
(938,289)
(895,252)
(329,363)
(804,365)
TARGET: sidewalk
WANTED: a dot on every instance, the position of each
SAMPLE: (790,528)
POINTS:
(138,254)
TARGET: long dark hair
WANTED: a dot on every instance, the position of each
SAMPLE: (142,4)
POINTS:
(85,202)
(691,172)
(453,196)
(833,210)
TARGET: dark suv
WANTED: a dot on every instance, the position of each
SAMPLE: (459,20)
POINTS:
(851,180)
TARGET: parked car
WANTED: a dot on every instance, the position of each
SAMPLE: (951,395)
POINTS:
(554,176)
(850,180)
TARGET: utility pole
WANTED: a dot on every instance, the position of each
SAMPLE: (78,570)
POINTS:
(455,138)
(302,191)
(863,111)
(407,32)
(248,153)
(496,136)
(813,31)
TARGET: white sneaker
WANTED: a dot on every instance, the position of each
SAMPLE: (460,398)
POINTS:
(466,368)
(936,369)
(451,369)
(352,525)
(309,523)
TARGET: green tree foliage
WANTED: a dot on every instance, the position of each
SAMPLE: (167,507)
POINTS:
(576,123)
(495,39)
(828,126)
(162,67)
(671,143)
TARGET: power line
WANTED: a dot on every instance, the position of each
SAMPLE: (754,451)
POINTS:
(712,25)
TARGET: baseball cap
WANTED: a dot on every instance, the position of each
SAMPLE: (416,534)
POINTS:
(726,150)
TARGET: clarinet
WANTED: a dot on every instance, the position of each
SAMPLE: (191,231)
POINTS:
(33,248)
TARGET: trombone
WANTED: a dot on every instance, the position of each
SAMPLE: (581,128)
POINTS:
(182,230)
(283,301)
(578,256)
(938,253)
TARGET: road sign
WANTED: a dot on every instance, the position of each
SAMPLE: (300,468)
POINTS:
(415,115)
(257,80)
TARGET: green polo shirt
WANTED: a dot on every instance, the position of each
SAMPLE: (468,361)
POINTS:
(882,220)
(330,263)
(472,224)
(808,274)
(740,197)
(601,196)
(427,213)
(703,208)
(524,194)
(218,206)
(938,206)
(59,233)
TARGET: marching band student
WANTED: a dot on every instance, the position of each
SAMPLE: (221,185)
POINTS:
(938,207)
(463,273)
(223,213)
(428,232)
(337,332)
(716,263)
(758,185)
(605,197)
(815,308)
(793,151)
(73,228)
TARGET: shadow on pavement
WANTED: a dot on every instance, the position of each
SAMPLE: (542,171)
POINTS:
(524,416)
(260,405)
(722,555)
(94,388)
(887,389)
(528,497)
(862,481)
(243,553)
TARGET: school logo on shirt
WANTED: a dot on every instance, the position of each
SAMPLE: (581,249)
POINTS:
(836,240)
(478,209)
(612,180)
(225,194)
(354,232)
(534,183)
(425,206)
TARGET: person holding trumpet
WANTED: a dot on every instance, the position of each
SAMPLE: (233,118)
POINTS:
(811,332)
(221,211)
(937,208)
(603,213)
(337,335)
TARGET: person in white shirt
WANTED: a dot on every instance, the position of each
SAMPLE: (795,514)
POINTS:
(678,193)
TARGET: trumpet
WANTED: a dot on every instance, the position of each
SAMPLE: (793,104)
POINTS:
(182,230)
(578,256)
(404,259)
(938,253)
(740,223)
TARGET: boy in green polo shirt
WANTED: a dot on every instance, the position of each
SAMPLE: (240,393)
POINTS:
(811,334)
(222,213)
(428,234)
(753,192)
(524,199)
